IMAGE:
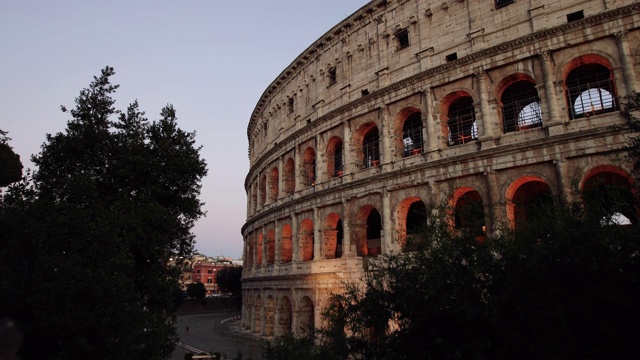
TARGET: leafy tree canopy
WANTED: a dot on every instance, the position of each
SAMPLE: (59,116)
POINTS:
(10,165)
(86,241)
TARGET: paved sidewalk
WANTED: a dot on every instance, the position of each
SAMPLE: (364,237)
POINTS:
(216,333)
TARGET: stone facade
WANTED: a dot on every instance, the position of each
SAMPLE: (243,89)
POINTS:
(411,102)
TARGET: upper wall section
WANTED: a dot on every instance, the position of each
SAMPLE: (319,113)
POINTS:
(387,41)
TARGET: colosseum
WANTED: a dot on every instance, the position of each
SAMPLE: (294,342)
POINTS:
(409,102)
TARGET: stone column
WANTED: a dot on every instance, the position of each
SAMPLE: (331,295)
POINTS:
(316,235)
(627,62)
(321,161)
(385,133)
(386,243)
(494,204)
(346,149)
(295,247)
(550,91)
(296,169)
(563,179)
(487,119)
(432,124)
(278,244)
(346,231)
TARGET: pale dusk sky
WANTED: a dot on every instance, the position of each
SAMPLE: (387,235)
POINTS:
(211,59)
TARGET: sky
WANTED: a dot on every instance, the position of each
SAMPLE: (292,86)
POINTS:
(211,59)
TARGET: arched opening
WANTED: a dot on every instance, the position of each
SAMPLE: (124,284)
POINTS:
(248,256)
(411,217)
(374,233)
(274,183)
(257,315)
(271,247)
(371,148)
(412,143)
(590,89)
(469,215)
(306,240)
(521,107)
(286,244)
(289,177)
(531,200)
(335,160)
(306,323)
(461,121)
(608,197)
(270,316)
(254,197)
(284,317)
(259,250)
(309,167)
(263,190)
(332,243)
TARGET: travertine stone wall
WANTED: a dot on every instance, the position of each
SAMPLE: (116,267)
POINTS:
(511,102)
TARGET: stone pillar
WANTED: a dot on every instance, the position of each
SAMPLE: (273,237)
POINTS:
(346,231)
(487,121)
(295,247)
(316,235)
(321,161)
(278,244)
(627,62)
(281,176)
(296,168)
(432,124)
(385,133)
(386,243)
(550,91)
(495,203)
(564,182)
(346,149)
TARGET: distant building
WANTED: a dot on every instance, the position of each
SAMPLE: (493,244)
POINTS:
(204,269)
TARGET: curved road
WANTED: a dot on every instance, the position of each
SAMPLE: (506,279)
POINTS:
(207,333)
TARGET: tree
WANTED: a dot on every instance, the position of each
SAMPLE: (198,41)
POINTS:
(228,280)
(87,241)
(196,291)
(10,165)
(561,286)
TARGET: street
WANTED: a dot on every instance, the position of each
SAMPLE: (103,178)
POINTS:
(207,333)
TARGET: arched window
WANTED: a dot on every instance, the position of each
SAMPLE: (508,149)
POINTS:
(335,165)
(263,190)
(412,135)
(371,148)
(462,121)
(520,107)
(608,196)
(309,167)
(289,177)
(469,214)
(274,183)
(590,91)
(374,229)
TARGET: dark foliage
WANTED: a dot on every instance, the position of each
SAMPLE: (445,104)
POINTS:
(87,240)
(10,164)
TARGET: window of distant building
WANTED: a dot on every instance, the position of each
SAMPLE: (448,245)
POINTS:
(210,271)
(209,281)
(198,272)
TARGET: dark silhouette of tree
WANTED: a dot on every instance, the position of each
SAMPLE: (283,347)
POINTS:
(86,242)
